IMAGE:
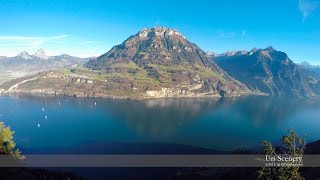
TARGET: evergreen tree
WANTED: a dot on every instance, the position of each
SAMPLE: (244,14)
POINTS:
(7,145)
(292,144)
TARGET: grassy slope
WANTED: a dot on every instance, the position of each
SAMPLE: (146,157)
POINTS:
(124,79)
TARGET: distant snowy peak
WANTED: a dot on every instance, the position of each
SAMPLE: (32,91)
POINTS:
(265,51)
(253,51)
(41,54)
(232,53)
(235,53)
(65,56)
(308,65)
(24,55)
(211,54)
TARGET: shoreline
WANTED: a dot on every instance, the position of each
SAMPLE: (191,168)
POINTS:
(200,96)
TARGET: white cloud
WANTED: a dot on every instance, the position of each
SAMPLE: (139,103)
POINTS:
(29,40)
(306,7)
(11,45)
(244,33)
(232,34)
(52,45)
(226,35)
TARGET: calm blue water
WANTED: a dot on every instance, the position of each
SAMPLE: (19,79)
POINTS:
(225,124)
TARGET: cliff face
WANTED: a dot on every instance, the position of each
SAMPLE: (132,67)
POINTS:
(155,62)
(271,72)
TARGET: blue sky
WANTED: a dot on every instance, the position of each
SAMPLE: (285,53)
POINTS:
(92,27)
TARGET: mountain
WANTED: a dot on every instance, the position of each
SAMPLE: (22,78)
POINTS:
(24,55)
(155,62)
(269,71)
(40,54)
(25,64)
(167,58)
(307,66)
(230,53)
(160,46)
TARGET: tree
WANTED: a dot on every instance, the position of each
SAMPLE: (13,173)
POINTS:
(292,144)
(7,145)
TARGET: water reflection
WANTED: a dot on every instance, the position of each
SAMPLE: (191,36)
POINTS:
(226,123)
(161,117)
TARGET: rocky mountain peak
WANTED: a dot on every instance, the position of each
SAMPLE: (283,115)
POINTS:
(159,38)
(267,52)
(24,55)
(41,54)
(158,45)
(271,54)
(270,48)
(211,54)
(253,51)
(234,53)
(158,32)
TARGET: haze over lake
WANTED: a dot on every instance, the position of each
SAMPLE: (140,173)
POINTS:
(49,124)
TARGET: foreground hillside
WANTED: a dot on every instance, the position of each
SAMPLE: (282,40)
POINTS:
(154,63)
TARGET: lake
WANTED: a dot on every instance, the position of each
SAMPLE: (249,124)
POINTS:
(91,125)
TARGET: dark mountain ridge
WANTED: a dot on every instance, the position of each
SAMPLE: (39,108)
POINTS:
(270,71)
